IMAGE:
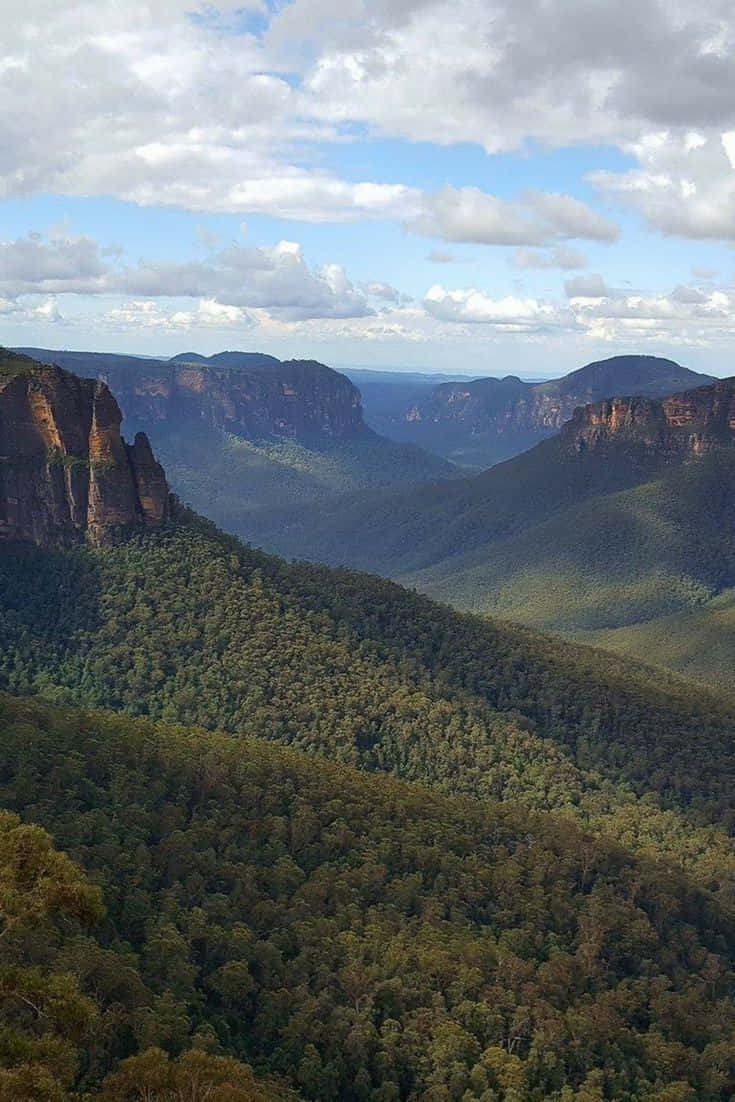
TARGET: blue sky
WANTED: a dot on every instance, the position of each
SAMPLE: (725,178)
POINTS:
(479,186)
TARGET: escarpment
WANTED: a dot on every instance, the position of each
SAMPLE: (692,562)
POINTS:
(66,473)
(692,423)
(302,400)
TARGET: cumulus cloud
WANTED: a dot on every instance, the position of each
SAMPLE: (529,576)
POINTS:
(149,316)
(672,319)
(476,307)
(275,278)
(500,71)
(30,264)
(383,291)
(178,108)
(684,185)
(688,295)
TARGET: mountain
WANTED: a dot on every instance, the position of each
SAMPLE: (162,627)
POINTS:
(487,420)
(386,395)
(66,472)
(240,432)
(616,531)
(253,396)
(247,360)
(537,904)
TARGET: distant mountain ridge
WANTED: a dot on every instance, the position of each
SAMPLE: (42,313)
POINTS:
(239,432)
(621,522)
(231,391)
(490,419)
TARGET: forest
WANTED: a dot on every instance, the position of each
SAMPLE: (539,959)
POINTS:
(234,920)
(340,842)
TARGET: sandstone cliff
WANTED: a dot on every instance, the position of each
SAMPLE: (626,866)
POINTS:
(510,405)
(691,423)
(301,400)
(247,394)
(66,474)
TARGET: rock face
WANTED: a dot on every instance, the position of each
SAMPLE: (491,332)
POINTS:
(692,423)
(511,406)
(300,399)
(66,474)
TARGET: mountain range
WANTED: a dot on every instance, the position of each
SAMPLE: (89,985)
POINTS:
(484,421)
(617,530)
(239,431)
(427,856)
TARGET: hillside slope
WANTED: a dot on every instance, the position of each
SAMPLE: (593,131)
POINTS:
(622,520)
(546,914)
(190,626)
(364,938)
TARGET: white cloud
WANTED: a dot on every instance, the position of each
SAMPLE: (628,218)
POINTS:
(179,110)
(276,278)
(685,185)
(539,218)
(31,264)
(673,319)
(476,307)
(501,71)
(147,316)
(688,295)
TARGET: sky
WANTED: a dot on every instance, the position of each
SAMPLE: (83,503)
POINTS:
(479,186)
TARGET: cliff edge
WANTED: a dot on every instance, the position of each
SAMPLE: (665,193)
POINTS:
(66,473)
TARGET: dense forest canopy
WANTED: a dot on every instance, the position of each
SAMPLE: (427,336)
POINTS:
(191,626)
(361,938)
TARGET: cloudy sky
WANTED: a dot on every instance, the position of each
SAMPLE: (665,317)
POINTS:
(477,185)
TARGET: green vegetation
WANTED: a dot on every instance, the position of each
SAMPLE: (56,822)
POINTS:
(405,530)
(190,626)
(639,570)
(238,482)
(699,642)
(12,364)
(71,1007)
(610,549)
(362,938)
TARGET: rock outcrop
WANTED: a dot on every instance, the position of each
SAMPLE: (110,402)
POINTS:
(692,423)
(66,473)
(301,399)
(511,406)
(248,394)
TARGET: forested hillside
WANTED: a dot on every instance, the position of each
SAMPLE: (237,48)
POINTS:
(618,531)
(537,904)
(191,626)
(363,938)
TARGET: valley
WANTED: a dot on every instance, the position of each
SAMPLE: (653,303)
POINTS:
(367,551)
(296,801)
